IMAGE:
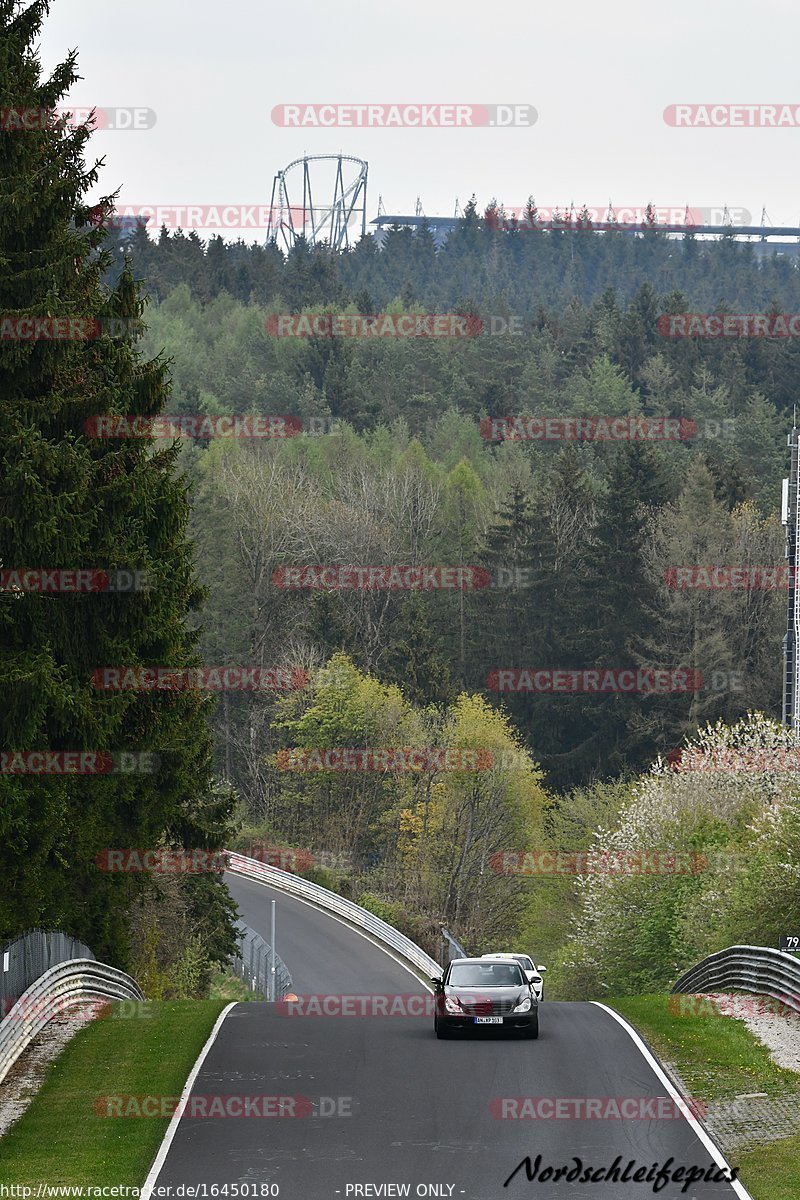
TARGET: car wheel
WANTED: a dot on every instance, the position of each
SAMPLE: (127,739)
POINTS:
(439,1030)
(533,1030)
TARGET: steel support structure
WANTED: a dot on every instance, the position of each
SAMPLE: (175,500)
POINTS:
(318,220)
(790,515)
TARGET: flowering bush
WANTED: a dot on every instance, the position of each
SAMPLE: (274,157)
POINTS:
(734,799)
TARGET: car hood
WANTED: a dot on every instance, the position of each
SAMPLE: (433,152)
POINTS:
(515,993)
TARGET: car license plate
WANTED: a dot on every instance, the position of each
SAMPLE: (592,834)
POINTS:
(488,1020)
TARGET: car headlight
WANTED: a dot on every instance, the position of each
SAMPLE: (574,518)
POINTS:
(524,1005)
(451,1005)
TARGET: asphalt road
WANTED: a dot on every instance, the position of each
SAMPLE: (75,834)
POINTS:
(323,955)
(386,1103)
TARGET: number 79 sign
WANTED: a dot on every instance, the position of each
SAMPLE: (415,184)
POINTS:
(789,942)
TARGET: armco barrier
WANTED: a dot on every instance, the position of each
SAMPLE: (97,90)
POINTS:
(749,969)
(454,948)
(75,980)
(421,963)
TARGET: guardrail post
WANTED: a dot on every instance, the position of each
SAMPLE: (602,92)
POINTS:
(272,956)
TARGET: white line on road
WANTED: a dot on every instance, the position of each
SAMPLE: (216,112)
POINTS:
(711,1147)
(172,1128)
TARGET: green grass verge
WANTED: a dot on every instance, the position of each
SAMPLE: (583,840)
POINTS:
(718,1059)
(227,986)
(772,1172)
(60,1139)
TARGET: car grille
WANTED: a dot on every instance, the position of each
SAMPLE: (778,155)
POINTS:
(487,1008)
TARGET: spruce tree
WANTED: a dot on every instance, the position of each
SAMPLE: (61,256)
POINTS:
(562,615)
(70,500)
(414,658)
(503,617)
(546,620)
(623,597)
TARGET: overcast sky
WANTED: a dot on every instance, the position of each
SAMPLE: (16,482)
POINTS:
(599,76)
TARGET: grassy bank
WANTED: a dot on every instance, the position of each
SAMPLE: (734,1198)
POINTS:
(61,1139)
(719,1059)
(772,1172)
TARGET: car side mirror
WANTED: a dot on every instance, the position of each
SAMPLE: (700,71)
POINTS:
(540,969)
(438,983)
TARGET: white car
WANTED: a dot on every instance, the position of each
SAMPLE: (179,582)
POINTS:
(532,973)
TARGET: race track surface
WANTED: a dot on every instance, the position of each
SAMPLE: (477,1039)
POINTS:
(379,1101)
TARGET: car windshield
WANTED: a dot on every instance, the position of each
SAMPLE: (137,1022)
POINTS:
(525,963)
(494,974)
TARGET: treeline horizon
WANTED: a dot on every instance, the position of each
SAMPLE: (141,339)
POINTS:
(590,530)
(586,536)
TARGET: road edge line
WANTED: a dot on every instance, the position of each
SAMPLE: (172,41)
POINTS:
(172,1128)
(704,1136)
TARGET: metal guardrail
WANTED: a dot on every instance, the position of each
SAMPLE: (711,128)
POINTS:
(353,914)
(758,969)
(454,948)
(50,996)
(253,962)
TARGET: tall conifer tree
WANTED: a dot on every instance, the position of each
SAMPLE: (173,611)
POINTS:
(70,500)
